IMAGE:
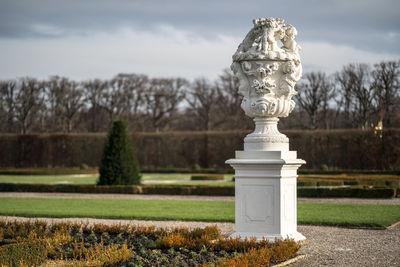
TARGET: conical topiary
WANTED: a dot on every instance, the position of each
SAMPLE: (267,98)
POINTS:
(119,165)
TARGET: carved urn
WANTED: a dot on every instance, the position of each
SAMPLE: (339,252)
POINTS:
(267,64)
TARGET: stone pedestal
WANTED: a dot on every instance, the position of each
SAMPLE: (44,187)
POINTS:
(265,194)
(267,66)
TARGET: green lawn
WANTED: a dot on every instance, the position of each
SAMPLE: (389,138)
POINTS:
(348,214)
(156,178)
(120,208)
(308,213)
(49,179)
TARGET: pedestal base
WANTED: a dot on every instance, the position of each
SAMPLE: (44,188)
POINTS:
(266,194)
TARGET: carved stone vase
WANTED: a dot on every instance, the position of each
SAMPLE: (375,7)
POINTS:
(267,64)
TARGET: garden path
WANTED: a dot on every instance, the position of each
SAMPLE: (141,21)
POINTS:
(325,246)
(390,201)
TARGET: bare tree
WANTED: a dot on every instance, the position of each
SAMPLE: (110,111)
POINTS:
(228,89)
(72,103)
(28,101)
(113,98)
(385,86)
(360,87)
(313,95)
(162,99)
(344,99)
(55,89)
(328,93)
(133,87)
(7,98)
(229,100)
(355,97)
(202,97)
(93,91)
(65,98)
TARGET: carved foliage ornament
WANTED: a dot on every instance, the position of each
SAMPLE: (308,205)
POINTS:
(267,64)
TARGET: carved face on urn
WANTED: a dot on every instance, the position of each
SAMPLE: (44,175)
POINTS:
(267,64)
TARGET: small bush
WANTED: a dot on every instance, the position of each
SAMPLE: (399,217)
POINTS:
(84,166)
(119,165)
(253,257)
(324,167)
(206,177)
(260,253)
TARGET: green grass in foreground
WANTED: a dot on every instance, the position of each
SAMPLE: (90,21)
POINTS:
(308,213)
(119,208)
(368,215)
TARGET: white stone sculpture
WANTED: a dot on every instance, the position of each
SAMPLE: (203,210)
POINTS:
(267,64)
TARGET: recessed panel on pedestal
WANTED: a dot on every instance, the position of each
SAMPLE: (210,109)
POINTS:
(258,203)
(289,203)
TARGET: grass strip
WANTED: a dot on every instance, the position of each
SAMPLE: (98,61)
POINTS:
(49,179)
(120,208)
(354,215)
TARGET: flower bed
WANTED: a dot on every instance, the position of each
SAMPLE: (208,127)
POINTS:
(73,244)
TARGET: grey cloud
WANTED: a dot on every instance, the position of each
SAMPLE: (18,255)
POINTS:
(370,25)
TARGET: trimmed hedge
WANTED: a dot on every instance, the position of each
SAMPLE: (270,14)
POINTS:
(348,192)
(346,171)
(348,149)
(375,181)
(71,170)
(311,182)
(30,253)
(205,190)
(202,190)
(207,177)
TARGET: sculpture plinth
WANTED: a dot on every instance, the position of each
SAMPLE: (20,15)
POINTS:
(266,171)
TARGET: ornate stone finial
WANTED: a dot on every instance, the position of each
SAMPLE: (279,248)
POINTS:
(267,64)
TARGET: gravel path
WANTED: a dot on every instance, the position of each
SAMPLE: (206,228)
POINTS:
(390,201)
(325,246)
(331,246)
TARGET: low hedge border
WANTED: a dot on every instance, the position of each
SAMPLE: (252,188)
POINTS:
(348,182)
(347,171)
(90,170)
(300,171)
(205,190)
(347,192)
(207,177)
(201,190)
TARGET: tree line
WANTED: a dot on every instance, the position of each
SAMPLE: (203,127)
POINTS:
(358,96)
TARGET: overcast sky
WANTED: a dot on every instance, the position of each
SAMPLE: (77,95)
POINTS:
(86,39)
